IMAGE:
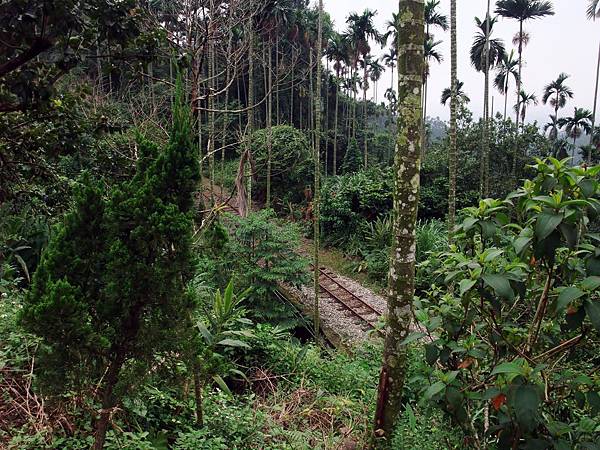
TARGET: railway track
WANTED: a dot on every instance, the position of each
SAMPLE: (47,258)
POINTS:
(365,315)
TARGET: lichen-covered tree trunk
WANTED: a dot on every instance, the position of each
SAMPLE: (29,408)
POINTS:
(406,197)
(589,155)
(452,152)
(317,157)
(365,126)
(335,126)
(248,169)
(269,127)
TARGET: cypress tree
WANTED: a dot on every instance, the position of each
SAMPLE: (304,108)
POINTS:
(111,282)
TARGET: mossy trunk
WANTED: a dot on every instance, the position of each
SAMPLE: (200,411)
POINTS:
(269,127)
(406,197)
(317,157)
(248,169)
(452,152)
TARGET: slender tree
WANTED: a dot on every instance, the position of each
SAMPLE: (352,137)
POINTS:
(406,193)
(485,54)
(452,151)
(317,156)
(338,49)
(462,96)
(525,100)
(576,125)
(593,13)
(433,19)
(508,67)
(557,93)
(361,30)
(552,128)
(522,11)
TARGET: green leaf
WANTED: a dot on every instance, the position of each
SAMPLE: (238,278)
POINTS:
(222,384)
(233,343)
(591,283)
(566,296)
(412,420)
(526,403)
(500,285)
(469,222)
(593,399)
(521,244)
(434,389)
(412,337)
(492,254)
(431,354)
(593,311)
(466,285)
(512,368)
(546,223)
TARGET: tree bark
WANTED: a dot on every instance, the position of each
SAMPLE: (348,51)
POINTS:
(365,125)
(406,195)
(317,157)
(269,128)
(589,155)
(452,154)
(248,170)
(335,131)
(484,182)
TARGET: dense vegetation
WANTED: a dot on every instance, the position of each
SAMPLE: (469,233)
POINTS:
(162,168)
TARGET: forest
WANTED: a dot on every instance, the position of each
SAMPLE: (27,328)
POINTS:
(233,224)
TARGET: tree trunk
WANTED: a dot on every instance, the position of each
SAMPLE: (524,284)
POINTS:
(365,125)
(248,171)
(277,79)
(452,154)
(198,396)
(326,116)
(515,149)
(317,194)
(211,106)
(589,155)
(406,193)
(484,182)
(269,129)
(424,123)
(335,131)
(506,96)
(108,400)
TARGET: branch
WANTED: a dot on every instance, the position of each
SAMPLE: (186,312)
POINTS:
(39,46)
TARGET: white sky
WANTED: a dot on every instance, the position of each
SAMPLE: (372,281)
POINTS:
(566,42)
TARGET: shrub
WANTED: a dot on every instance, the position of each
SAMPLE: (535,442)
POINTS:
(515,332)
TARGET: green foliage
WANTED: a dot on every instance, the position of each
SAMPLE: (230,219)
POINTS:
(112,277)
(291,162)
(353,158)
(258,254)
(350,201)
(516,330)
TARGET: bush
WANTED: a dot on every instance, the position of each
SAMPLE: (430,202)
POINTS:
(515,333)
(291,164)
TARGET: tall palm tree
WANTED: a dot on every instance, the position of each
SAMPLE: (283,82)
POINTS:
(576,125)
(338,52)
(462,96)
(375,71)
(406,193)
(508,67)
(433,19)
(485,54)
(522,11)
(389,59)
(525,100)
(361,30)
(593,13)
(557,92)
(552,128)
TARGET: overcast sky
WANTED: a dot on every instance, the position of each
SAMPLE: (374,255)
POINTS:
(566,42)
